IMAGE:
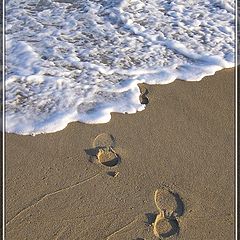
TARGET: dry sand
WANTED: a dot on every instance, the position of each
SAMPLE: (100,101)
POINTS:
(183,140)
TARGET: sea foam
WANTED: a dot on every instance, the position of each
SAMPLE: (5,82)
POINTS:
(79,60)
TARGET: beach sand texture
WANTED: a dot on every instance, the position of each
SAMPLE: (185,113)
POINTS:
(182,143)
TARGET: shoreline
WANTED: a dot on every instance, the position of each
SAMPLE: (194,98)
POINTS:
(183,140)
(47,131)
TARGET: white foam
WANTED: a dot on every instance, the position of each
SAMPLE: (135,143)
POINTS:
(81,60)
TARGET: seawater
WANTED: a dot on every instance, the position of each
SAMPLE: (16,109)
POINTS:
(81,60)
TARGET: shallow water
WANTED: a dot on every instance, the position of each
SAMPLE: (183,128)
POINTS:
(81,60)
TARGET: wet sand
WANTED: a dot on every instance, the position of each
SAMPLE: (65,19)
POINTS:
(183,142)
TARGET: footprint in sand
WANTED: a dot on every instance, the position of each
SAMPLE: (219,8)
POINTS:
(107,156)
(169,202)
(164,227)
(104,140)
(170,208)
(143,96)
(103,150)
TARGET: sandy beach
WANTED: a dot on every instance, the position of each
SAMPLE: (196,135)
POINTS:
(183,142)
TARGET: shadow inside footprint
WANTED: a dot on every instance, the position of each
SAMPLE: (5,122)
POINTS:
(174,230)
(151,217)
(180,205)
(92,151)
(112,174)
(143,99)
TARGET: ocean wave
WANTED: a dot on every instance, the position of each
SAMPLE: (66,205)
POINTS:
(81,60)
